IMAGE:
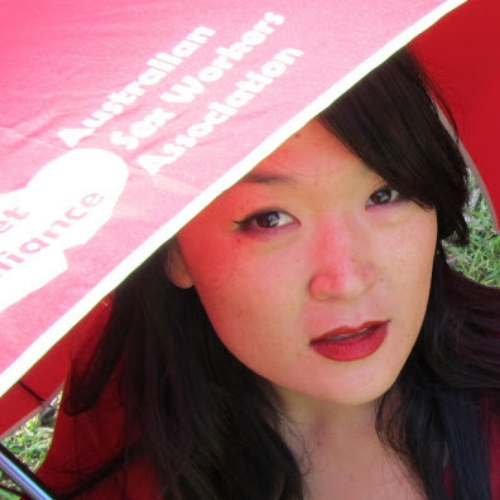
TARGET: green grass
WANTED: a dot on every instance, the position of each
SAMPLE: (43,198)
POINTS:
(480,261)
(30,444)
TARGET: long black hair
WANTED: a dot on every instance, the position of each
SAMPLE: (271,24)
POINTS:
(208,425)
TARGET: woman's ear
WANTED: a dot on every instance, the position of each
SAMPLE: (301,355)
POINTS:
(175,266)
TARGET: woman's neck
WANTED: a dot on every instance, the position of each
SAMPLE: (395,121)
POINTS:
(340,453)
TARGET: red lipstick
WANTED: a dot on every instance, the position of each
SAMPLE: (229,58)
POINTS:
(351,343)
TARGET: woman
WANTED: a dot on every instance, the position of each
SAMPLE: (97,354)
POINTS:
(304,336)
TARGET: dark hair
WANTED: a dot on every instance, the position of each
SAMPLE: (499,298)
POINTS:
(208,424)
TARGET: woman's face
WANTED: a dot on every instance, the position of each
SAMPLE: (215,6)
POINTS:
(313,271)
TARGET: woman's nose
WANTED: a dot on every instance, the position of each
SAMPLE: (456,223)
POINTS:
(344,262)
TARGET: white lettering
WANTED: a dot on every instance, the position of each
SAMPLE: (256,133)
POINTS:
(184,93)
(158,68)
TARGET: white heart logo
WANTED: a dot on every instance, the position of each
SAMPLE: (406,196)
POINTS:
(63,206)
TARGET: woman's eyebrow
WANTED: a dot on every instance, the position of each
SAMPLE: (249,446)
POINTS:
(267,178)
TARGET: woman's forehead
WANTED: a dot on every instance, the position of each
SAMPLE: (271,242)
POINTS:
(313,151)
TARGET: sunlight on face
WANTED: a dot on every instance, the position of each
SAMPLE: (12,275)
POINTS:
(313,271)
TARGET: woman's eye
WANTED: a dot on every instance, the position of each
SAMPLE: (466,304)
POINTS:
(382,196)
(266,220)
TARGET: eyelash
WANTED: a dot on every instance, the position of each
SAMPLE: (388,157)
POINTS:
(391,196)
(251,223)
(382,196)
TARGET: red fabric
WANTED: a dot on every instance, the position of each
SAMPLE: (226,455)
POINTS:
(84,443)
(495,461)
(48,375)
(461,55)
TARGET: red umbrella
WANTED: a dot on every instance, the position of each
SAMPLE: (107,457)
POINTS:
(109,114)
(461,54)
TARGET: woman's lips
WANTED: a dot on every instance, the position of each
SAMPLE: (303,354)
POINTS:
(351,343)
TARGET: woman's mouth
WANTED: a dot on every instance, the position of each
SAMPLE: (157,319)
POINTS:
(351,343)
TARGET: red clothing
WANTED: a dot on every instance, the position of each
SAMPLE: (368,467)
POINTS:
(495,461)
(82,444)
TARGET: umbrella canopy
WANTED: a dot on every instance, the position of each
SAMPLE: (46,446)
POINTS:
(118,124)
(462,56)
